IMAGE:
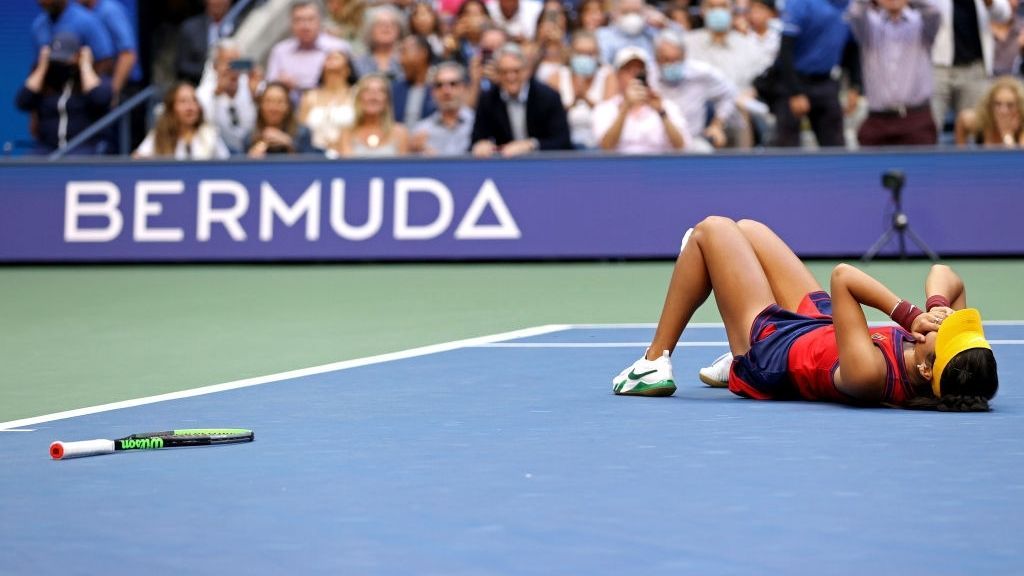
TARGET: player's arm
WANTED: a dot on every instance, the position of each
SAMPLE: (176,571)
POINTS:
(944,288)
(861,372)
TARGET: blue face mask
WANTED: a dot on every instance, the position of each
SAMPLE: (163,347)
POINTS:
(672,74)
(718,19)
(583,65)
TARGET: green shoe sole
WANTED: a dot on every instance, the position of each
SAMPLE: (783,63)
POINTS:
(663,388)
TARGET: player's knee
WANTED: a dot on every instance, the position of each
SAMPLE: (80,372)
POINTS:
(712,223)
(748,225)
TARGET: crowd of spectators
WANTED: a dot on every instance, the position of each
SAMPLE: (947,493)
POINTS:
(359,78)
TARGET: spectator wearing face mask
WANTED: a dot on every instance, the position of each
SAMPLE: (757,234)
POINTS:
(633,24)
(583,84)
(695,87)
(733,53)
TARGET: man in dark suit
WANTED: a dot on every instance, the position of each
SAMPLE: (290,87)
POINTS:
(195,37)
(518,115)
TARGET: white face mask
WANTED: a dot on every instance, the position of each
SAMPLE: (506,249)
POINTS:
(631,24)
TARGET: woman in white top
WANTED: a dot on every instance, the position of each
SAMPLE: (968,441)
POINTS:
(180,131)
(583,84)
(327,110)
(375,132)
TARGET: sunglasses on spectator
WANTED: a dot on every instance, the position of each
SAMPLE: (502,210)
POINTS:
(449,83)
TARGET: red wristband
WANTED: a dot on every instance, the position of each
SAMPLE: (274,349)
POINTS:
(936,300)
(904,314)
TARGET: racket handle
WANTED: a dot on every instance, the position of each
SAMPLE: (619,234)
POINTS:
(64,450)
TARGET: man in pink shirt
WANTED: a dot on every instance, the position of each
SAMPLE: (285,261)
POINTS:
(298,60)
(637,120)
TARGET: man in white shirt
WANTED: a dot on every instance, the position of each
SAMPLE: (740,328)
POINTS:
(718,44)
(638,120)
(226,94)
(695,87)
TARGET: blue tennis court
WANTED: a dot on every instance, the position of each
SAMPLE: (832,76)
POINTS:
(509,454)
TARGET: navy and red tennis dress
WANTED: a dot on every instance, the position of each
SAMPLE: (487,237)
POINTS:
(794,355)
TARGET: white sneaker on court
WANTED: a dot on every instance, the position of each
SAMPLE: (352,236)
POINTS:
(646,378)
(717,375)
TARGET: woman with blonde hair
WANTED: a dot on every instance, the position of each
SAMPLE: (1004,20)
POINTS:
(998,120)
(375,132)
(181,132)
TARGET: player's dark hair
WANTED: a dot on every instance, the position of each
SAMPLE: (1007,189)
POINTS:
(969,381)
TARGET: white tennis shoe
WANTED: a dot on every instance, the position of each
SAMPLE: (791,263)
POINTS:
(646,378)
(717,375)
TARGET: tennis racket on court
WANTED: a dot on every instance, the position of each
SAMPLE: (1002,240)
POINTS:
(151,441)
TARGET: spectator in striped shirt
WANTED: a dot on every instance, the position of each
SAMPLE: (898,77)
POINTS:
(896,38)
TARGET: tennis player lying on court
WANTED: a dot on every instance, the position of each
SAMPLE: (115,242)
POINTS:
(791,340)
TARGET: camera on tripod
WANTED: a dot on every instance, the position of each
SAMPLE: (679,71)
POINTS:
(893,180)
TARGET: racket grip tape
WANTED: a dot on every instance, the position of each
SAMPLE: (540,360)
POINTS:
(64,450)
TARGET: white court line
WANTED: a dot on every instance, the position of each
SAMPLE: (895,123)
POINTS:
(592,344)
(336,366)
(19,430)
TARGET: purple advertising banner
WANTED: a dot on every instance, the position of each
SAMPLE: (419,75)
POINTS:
(564,207)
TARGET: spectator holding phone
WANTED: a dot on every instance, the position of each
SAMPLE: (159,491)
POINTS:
(638,121)
(226,94)
(66,95)
(181,132)
(482,75)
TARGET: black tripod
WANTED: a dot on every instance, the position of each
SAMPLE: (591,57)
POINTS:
(894,180)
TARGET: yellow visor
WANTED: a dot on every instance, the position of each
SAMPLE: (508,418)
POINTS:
(960,331)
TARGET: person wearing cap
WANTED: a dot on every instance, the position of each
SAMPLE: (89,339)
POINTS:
(65,94)
(64,16)
(519,114)
(638,120)
(790,340)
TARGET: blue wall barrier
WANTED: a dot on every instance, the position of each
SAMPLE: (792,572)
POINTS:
(574,206)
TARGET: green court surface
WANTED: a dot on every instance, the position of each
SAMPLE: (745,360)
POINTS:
(84,335)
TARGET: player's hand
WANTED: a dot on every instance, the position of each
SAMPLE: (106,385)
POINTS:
(925,323)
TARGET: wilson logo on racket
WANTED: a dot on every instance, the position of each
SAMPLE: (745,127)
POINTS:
(141,443)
